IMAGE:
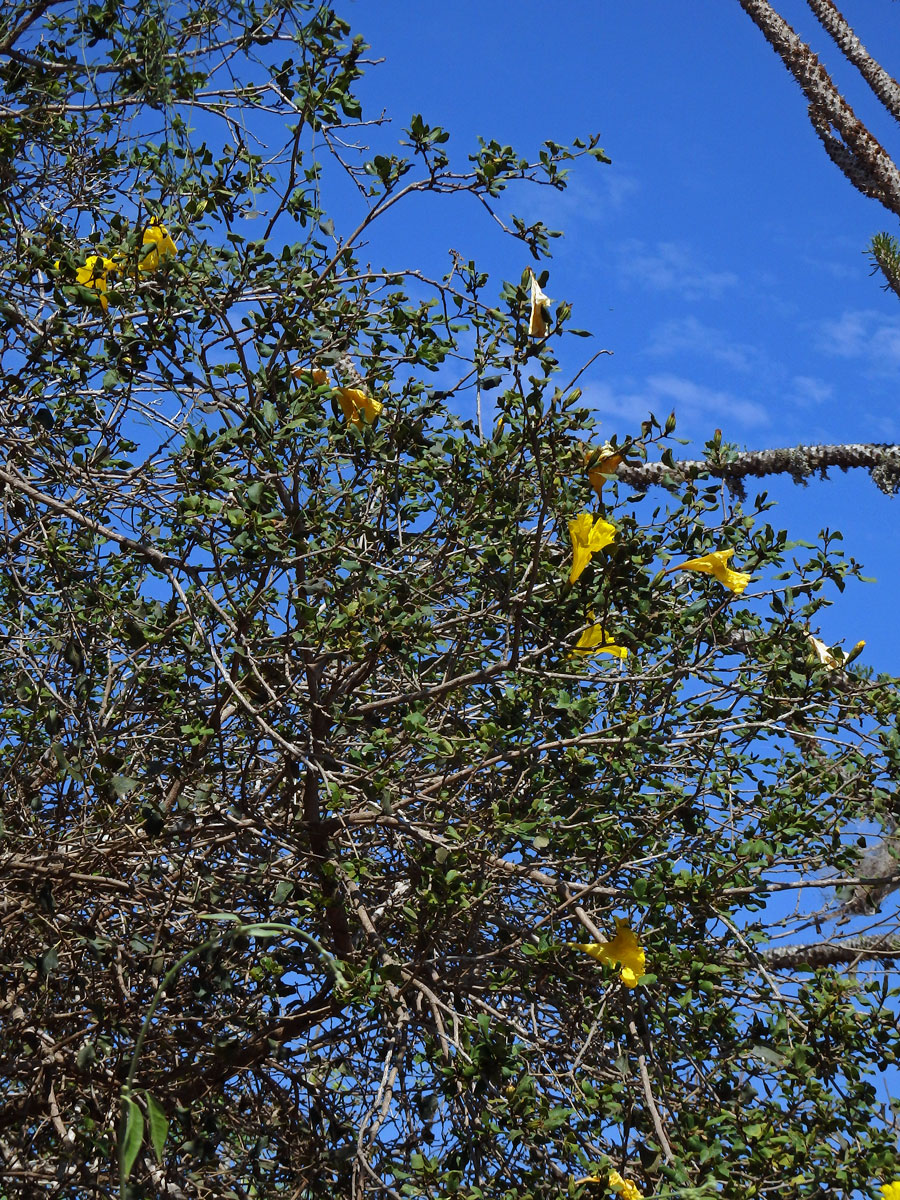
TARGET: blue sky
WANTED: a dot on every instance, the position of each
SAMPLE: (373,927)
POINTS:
(721,257)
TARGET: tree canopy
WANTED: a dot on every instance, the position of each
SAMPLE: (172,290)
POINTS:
(407,791)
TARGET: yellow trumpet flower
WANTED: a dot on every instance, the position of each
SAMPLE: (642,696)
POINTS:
(588,536)
(156,246)
(93,275)
(624,1187)
(624,950)
(716,563)
(358,405)
(597,641)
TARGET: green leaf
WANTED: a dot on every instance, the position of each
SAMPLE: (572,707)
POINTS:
(134,1137)
(123,784)
(159,1125)
(48,961)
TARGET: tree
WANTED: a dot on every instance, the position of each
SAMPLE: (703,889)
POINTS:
(336,724)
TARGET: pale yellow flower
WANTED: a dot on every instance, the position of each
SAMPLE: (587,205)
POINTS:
(890,1191)
(716,563)
(156,246)
(358,405)
(831,661)
(822,653)
(588,536)
(597,641)
(624,950)
(607,464)
(538,323)
(624,1187)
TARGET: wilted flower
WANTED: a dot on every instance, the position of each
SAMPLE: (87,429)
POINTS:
(624,1187)
(822,653)
(316,374)
(157,246)
(538,322)
(588,536)
(716,563)
(607,464)
(597,641)
(828,659)
(358,405)
(624,950)
(890,1191)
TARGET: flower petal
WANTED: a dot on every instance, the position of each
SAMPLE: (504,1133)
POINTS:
(822,653)
(597,641)
(624,1187)
(156,245)
(603,469)
(624,951)
(588,536)
(716,563)
(538,323)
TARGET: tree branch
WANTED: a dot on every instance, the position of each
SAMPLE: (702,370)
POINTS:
(825,954)
(847,141)
(835,25)
(882,461)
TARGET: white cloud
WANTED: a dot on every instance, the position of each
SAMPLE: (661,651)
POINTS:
(687,333)
(863,333)
(807,391)
(591,200)
(694,403)
(671,266)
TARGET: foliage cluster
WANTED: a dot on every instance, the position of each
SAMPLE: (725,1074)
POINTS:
(305,793)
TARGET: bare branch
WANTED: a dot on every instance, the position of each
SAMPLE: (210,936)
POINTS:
(848,142)
(824,954)
(835,24)
(882,461)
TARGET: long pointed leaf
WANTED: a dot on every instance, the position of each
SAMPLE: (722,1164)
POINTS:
(159,1125)
(134,1136)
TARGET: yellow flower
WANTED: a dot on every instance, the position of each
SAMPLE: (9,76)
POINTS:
(358,405)
(159,246)
(93,275)
(316,374)
(588,536)
(538,322)
(624,950)
(890,1191)
(606,465)
(716,564)
(597,641)
(624,1187)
